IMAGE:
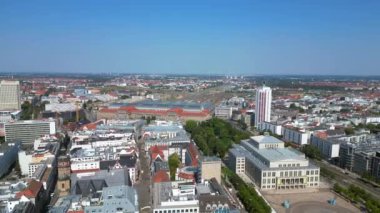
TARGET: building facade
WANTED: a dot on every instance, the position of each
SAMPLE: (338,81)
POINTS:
(211,168)
(272,166)
(8,156)
(28,131)
(10,95)
(263,105)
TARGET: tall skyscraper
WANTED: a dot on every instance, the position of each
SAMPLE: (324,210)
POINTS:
(263,104)
(10,95)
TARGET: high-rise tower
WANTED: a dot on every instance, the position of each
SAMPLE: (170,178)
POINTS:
(263,104)
(10,95)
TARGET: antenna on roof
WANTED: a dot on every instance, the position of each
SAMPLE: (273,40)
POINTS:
(263,83)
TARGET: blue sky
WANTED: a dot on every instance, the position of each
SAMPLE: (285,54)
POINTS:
(191,37)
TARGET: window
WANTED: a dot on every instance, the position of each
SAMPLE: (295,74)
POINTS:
(316,172)
(312,172)
(273,174)
(264,174)
(264,181)
(281,174)
(273,180)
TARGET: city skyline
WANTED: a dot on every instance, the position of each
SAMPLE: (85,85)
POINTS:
(239,38)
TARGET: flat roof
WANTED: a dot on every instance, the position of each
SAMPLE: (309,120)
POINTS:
(265,139)
(277,154)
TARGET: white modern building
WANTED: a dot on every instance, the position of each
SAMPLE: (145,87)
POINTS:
(329,147)
(273,127)
(10,95)
(263,104)
(175,197)
(272,166)
(28,131)
(224,112)
(295,135)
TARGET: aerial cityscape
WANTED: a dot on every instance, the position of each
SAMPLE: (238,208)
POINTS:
(192,107)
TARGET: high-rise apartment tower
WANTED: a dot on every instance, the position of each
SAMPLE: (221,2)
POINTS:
(10,95)
(263,104)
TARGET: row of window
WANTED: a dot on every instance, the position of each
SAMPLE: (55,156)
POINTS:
(291,174)
(176,210)
(265,181)
(289,165)
(312,172)
(312,179)
(269,187)
(270,174)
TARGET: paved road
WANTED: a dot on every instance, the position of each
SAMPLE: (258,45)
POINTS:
(143,186)
(316,207)
(346,179)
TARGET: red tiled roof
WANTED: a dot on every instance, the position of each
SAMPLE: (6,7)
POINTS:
(34,187)
(157,151)
(178,111)
(91,126)
(322,134)
(161,176)
(193,151)
(188,176)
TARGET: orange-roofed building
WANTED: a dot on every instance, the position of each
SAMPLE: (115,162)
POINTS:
(35,193)
(161,176)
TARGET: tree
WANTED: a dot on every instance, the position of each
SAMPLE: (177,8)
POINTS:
(312,152)
(349,131)
(190,125)
(174,163)
(26,111)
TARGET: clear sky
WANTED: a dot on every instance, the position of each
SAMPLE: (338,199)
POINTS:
(191,37)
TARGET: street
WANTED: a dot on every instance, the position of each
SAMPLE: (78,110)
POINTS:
(143,186)
(347,179)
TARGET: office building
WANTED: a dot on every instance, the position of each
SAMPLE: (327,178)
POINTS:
(263,105)
(295,135)
(272,166)
(273,127)
(211,168)
(28,131)
(175,197)
(10,95)
(115,199)
(8,156)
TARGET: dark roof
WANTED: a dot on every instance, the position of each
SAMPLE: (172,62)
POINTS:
(86,187)
(161,165)
(128,161)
